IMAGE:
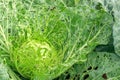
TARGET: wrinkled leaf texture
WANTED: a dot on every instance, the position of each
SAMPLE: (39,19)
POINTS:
(72,31)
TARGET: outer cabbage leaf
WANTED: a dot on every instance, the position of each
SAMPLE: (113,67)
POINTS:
(113,6)
(116,27)
(3,71)
(102,65)
(99,66)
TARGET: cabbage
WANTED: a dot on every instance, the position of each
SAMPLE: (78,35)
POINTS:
(35,56)
(47,38)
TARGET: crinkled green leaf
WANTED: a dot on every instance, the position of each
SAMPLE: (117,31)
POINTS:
(102,65)
(116,27)
(99,66)
(113,6)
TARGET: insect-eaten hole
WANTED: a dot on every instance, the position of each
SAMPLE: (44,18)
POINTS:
(89,68)
(104,76)
(86,76)
(95,68)
(84,71)
(67,76)
(76,77)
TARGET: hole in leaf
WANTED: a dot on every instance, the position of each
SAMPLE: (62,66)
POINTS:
(104,76)
(77,77)
(96,68)
(84,71)
(85,76)
(68,76)
(89,68)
